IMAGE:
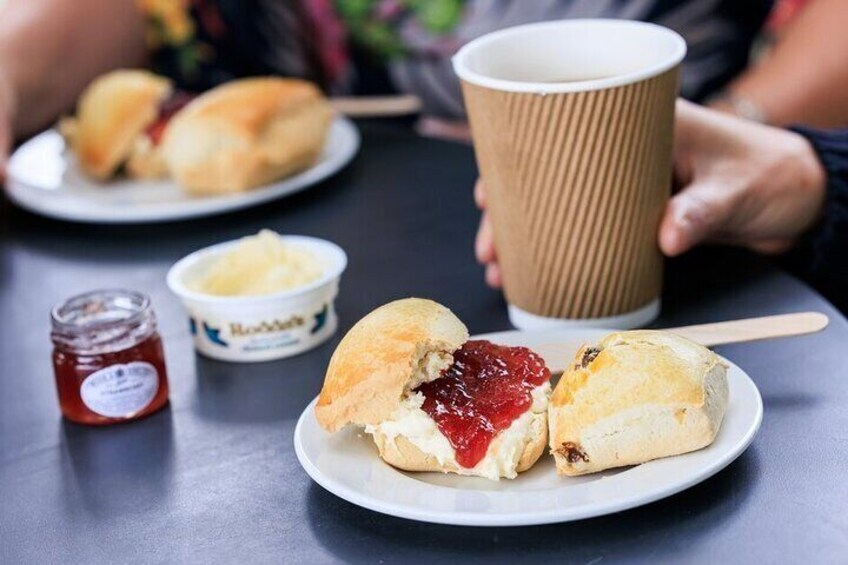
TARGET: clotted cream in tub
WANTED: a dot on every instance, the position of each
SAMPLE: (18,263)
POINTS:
(260,298)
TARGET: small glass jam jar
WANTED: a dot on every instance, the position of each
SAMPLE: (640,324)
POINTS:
(108,357)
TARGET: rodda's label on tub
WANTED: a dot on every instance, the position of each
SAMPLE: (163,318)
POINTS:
(240,330)
(264,338)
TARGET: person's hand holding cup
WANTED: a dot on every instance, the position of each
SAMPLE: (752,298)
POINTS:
(741,183)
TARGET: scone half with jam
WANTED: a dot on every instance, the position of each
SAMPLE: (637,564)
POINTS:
(431,399)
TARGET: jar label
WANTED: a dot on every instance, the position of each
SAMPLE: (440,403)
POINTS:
(122,390)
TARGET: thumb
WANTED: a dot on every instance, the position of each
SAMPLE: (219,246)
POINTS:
(686,118)
(694,215)
(480,194)
(5,144)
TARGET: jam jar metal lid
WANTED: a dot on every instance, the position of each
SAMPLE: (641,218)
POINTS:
(101,321)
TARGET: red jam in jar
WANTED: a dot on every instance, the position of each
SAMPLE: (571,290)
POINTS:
(108,357)
(486,388)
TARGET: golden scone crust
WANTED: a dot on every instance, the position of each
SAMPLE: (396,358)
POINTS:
(536,447)
(635,396)
(373,364)
(111,113)
(145,160)
(246,133)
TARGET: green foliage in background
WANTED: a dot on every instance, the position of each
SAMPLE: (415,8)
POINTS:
(376,23)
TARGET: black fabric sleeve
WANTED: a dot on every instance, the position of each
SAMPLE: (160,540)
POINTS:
(823,257)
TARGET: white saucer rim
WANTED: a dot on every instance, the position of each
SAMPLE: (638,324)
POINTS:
(27,195)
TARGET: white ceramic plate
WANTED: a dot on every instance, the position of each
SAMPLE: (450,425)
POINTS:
(347,465)
(44,178)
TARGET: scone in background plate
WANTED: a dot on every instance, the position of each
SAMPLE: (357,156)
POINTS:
(347,465)
(44,177)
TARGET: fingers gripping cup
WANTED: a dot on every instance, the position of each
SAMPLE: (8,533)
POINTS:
(572,124)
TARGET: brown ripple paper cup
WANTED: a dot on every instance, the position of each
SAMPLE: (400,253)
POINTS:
(572,124)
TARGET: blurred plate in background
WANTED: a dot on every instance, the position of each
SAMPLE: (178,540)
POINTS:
(44,178)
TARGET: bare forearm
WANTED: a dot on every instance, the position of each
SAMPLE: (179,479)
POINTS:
(805,78)
(50,49)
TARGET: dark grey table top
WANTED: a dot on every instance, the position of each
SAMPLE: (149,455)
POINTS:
(214,478)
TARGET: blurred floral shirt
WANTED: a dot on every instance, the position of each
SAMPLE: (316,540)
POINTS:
(378,46)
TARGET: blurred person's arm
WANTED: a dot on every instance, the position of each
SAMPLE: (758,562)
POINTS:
(804,79)
(51,49)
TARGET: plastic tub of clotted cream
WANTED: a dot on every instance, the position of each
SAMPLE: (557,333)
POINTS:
(261,297)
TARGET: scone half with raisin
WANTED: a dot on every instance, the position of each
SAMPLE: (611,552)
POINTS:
(634,397)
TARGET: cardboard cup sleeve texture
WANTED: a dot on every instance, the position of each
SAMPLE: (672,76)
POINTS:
(576,183)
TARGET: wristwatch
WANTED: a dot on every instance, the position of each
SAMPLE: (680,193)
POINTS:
(741,106)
